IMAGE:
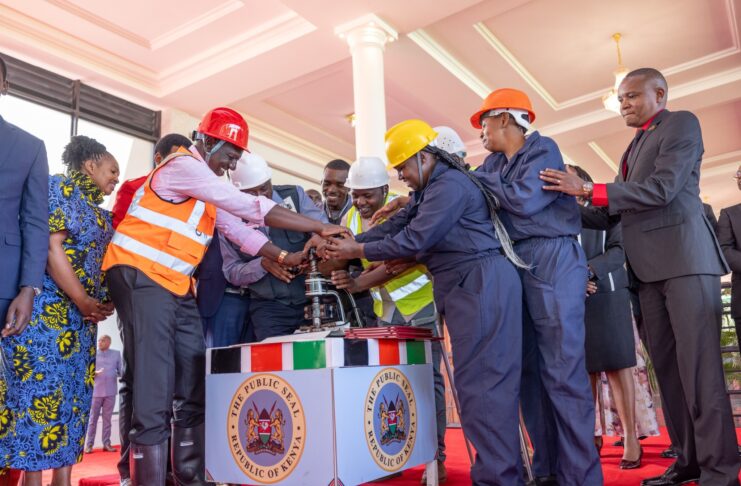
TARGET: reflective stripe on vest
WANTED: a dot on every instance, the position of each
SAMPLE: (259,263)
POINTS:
(153,254)
(184,228)
(164,240)
(410,291)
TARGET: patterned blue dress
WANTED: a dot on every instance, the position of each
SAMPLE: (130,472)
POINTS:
(46,390)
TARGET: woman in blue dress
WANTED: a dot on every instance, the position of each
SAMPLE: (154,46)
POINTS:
(46,388)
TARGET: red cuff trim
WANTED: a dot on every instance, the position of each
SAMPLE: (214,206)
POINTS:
(599,195)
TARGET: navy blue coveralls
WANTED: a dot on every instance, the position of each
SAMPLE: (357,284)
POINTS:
(448,228)
(557,402)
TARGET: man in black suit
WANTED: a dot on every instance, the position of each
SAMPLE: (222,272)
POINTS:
(24,228)
(729,236)
(672,251)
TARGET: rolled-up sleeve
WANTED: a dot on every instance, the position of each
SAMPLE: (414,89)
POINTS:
(237,271)
(190,177)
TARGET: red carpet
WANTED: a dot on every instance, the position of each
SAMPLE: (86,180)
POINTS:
(99,468)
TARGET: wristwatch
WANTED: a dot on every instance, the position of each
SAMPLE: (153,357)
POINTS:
(36,290)
(587,188)
(282,256)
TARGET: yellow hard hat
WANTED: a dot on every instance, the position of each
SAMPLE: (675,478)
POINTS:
(405,139)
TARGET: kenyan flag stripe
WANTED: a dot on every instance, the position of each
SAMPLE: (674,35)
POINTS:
(266,357)
(388,352)
(287,356)
(416,352)
(309,355)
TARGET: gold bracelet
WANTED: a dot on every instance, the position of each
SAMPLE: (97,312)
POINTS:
(282,256)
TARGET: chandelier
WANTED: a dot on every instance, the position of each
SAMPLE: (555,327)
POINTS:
(610,99)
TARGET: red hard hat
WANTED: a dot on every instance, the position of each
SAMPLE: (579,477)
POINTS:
(225,124)
(501,99)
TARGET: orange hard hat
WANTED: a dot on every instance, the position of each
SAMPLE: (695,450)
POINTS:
(502,99)
(227,125)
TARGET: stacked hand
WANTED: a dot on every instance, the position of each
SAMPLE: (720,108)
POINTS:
(334,230)
(340,244)
(281,271)
(343,280)
(399,265)
(93,310)
(389,209)
(343,248)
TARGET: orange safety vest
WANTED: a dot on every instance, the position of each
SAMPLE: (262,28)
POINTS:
(165,240)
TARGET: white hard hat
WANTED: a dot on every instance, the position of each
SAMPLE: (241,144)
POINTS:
(367,173)
(251,171)
(448,140)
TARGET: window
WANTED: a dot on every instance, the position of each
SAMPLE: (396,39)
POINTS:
(51,126)
(53,108)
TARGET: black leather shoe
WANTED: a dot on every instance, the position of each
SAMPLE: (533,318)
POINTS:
(672,478)
(625,464)
(669,453)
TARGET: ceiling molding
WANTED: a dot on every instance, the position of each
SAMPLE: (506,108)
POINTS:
(449,62)
(735,49)
(291,118)
(693,87)
(736,154)
(556,105)
(49,39)
(722,170)
(86,15)
(603,155)
(195,23)
(43,37)
(160,41)
(269,35)
(576,122)
(289,143)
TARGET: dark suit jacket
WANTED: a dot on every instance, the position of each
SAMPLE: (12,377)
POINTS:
(710,215)
(605,257)
(665,231)
(729,235)
(211,280)
(24,217)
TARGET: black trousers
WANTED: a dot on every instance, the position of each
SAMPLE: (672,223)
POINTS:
(682,318)
(164,355)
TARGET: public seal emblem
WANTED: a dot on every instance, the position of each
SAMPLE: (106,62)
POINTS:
(390,419)
(266,428)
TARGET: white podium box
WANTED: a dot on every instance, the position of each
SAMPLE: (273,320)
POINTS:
(318,412)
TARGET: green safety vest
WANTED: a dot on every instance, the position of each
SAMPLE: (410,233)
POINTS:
(411,291)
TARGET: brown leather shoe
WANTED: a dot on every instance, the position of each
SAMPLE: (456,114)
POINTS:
(109,448)
(442,474)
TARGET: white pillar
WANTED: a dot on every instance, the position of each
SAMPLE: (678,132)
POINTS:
(367,38)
